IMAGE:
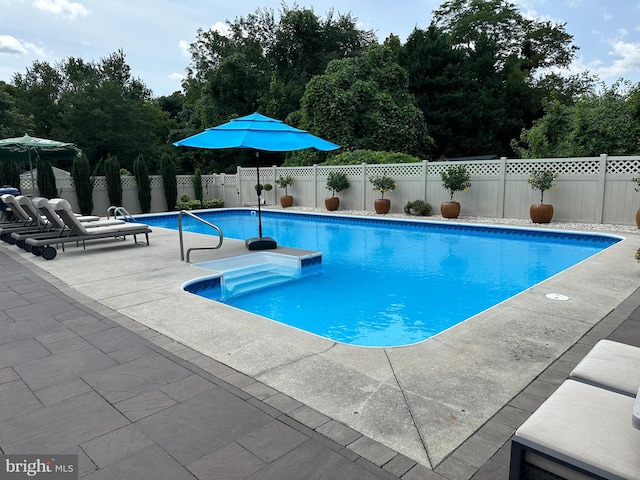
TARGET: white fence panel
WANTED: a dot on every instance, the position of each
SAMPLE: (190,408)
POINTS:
(592,189)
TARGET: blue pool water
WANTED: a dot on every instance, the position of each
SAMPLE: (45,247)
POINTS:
(392,283)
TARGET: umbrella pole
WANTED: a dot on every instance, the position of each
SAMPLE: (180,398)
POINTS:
(33,183)
(258,192)
(260,242)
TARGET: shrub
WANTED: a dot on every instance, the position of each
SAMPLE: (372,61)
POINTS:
(195,204)
(357,157)
(81,173)
(169,180)
(141,171)
(455,179)
(285,182)
(46,179)
(417,207)
(114,184)
(383,184)
(337,182)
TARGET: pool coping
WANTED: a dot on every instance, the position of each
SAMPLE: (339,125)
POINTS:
(381,384)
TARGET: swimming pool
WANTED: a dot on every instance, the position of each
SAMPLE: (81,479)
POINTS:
(387,282)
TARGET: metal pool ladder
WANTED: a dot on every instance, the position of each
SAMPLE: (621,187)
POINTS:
(215,227)
(115,211)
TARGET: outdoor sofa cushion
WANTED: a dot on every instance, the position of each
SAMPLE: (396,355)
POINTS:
(611,365)
(584,427)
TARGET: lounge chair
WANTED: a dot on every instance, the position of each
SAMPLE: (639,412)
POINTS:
(40,205)
(78,232)
(580,432)
(25,221)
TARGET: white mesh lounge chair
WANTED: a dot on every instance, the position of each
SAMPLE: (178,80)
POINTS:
(78,232)
(26,220)
(57,227)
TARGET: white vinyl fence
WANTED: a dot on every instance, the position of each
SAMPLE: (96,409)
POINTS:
(593,190)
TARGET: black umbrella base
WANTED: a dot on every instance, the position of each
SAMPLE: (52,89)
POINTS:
(261,243)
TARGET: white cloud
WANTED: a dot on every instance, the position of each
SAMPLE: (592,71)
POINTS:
(12,46)
(184,48)
(64,8)
(221,27)
(176,76)
(627,63)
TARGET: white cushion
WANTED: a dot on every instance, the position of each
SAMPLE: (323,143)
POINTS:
(588,427)
(611,365)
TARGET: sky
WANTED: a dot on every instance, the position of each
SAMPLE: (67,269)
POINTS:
(155,34)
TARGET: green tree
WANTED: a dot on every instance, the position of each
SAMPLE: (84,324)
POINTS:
(606,122)
(114,183)
(83,181)
(141,172)
(46,179)
(364,103)
(169,181)
(13,122)
(37,95)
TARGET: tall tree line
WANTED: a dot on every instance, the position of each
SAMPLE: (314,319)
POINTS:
(476,81)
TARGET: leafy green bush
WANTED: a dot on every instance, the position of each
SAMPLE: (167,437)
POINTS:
(455,179)
(337,182)
(357,157)
(383,184)
(285,182)
(195,204)
(417,207)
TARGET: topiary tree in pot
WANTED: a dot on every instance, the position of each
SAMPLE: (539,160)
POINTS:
(336,182)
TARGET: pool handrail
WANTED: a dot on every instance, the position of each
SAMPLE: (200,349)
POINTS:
(194,216)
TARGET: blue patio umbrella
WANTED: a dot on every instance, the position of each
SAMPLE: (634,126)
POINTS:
(257,132)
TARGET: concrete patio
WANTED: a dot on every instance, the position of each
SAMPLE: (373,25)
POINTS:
(102,354)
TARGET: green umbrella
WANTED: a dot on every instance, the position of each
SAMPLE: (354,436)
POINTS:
(19,150)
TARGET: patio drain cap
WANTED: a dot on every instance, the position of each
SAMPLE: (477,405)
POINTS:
(557,296)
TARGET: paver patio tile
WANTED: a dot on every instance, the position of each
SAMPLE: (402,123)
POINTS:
(149,463)
(231,462)
(202,424)
(116,445)
(138,376)
(61,427)
(272,440)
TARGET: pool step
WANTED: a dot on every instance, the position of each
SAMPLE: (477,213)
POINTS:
(244,280)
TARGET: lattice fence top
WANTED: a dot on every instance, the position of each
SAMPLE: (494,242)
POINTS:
(485,168)
(628,166)
(349,170)
(395,170)
(566,167)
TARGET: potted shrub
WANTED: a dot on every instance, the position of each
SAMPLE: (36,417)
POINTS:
(285,182)
(542,180)
(336,182)
(382,184)
(454,179)
(636,180)
(267,188)
(417,207)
